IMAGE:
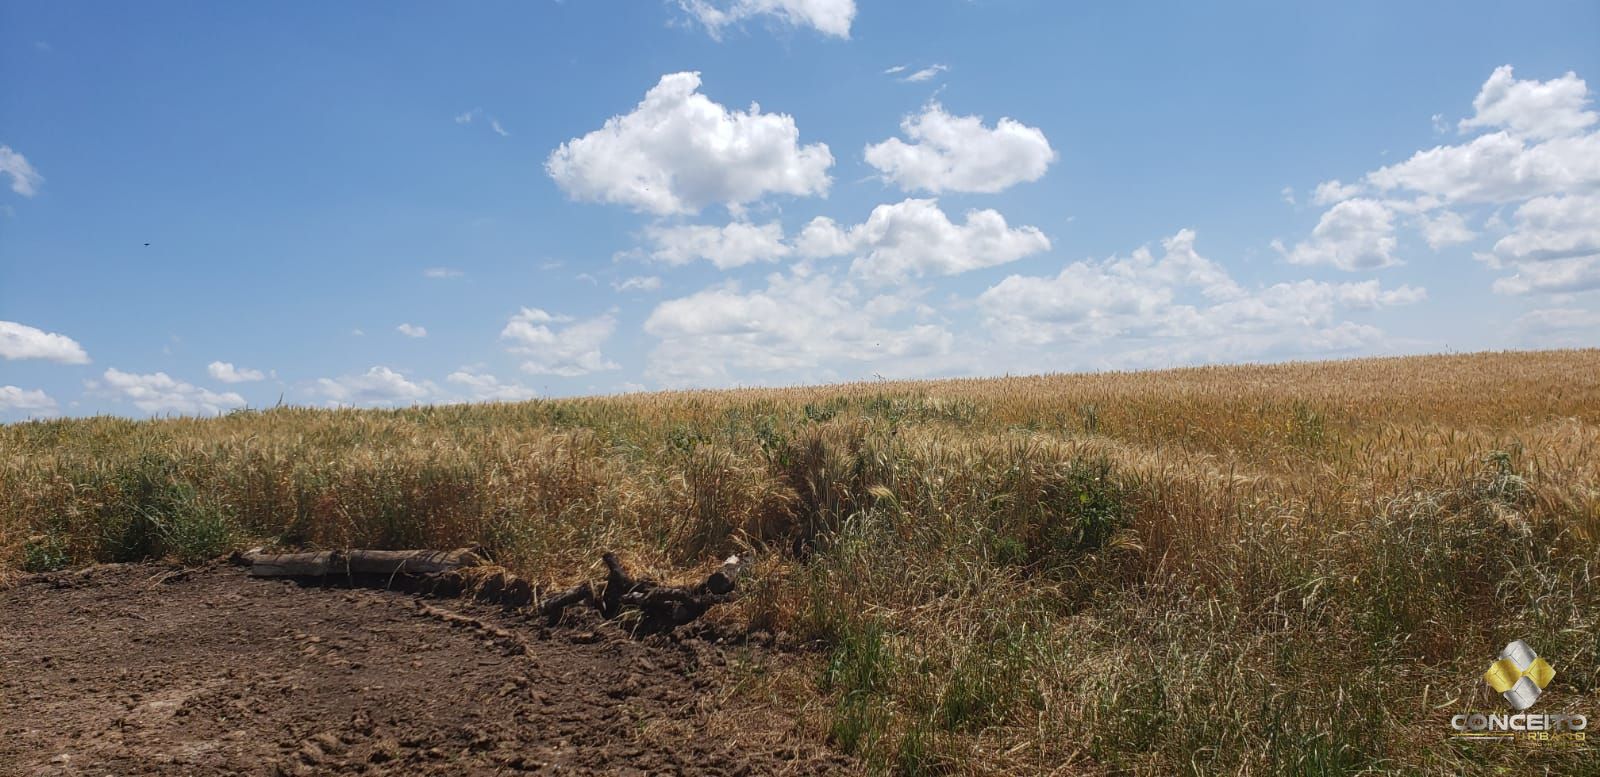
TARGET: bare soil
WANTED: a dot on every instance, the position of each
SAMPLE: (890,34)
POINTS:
(141,669)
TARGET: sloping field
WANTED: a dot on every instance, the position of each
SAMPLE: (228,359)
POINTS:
(1262,569)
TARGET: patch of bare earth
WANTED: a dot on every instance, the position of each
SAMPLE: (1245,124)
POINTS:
(137,670)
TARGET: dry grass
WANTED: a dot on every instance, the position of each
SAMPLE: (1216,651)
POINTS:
(1253,570)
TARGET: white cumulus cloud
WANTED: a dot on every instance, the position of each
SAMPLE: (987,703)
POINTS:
(829,17)
(559,345)
(412,330)
(378,386)
(1552,248)
(1553,228)
(800,327)
(227,373)
(678,152)
(1539,149)
(160,393)
(1532,109)
(24,179)
(1497,168)
(483,387)
(1330,192)
(638,283)
(1355,234)
(1559,327)
(734,245)
(960,154)
(1181,307)
(32,402)
(1556,276)
(20,341)
(914,238)
(1445,228)
(1544,143)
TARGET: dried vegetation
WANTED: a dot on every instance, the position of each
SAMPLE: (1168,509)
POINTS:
(1263,569)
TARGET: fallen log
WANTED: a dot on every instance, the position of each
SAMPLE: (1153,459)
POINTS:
(661,607)
(375,563)
(464,572)
(618,583)
(409,562)
(723,580)
(486,583)
(289,564)
(554,606)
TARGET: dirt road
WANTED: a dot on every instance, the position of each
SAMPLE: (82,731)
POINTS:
(136,670)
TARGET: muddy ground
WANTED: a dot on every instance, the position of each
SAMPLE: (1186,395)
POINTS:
(141,670)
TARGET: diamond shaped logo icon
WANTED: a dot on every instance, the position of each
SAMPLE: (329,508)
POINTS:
(1519,675)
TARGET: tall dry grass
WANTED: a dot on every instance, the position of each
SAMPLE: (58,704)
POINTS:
(1299,568)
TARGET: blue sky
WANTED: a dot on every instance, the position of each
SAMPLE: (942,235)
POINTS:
(386,204)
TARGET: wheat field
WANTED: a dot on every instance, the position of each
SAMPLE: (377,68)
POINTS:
(1299,568)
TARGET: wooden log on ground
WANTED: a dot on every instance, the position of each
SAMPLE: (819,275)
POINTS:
(289,564)
(663,608)
(464,572)
(553,606)
(407,562)
(353,563)
(723,580)
(618,583)
(506,590)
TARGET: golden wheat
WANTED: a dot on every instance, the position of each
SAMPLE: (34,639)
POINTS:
(1256,569)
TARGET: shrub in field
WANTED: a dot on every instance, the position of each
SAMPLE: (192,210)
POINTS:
(45,553)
